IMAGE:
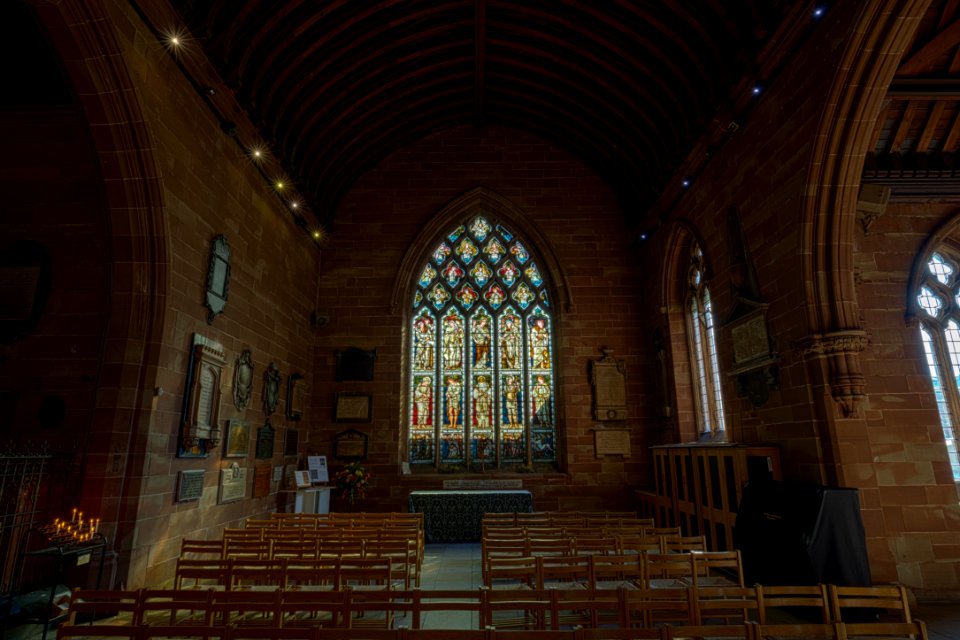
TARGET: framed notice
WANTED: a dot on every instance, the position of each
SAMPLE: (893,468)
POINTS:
(261,479)
(233,484)
(353,407)
(607,442)
(237,443)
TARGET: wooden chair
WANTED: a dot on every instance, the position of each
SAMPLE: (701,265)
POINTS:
(563,572)
(799,631)
(868,604)
(653,607)
(726,605)
(366,573)
(633,543)
(170,607)
(443,601)
(299,548)
(329,609)
(682,544)
(402,553)
(717,569)
(626,571)
(202,574)
(572,608)
(557,546)
(311,574)
(260,608)
(102,612)
(802,600)
(194,549)
(242,534)
(257,574)
(244,632)
(161,632)
(913,630)
(511,572)
(585,545)
(247,549)
(516,608)
(668,570)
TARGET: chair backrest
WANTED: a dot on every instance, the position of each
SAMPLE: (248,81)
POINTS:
(669,569)
(584,544)
(617,570)
(563,571)
(175,607)
(246,548)
(652,607)
(515,608)
(716,568)
(676,543)
(807,600)
(727,604)
(864,604)
(632,543)
(193,573)
(511,572)
(253,572)
(557,546)
(194,548)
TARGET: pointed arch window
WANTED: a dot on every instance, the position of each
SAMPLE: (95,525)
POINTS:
(482,383)
(939,300)
(702,344)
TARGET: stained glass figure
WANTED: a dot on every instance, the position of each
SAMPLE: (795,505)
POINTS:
(519,252)
(481,273)
(494,250)
(508,273)
(429,273)
(452,274)
(482,388)
(467,250)
(441,253)
(480,228)
(523,295)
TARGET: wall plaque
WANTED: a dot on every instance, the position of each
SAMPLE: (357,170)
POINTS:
(243,380)
(614,442)
(355,364)
(189,485)
(218,277)
(352,406)
(201,420)
(608,376)
(296,396)
(233,484)
(265,437)
(262,474)
(350,445)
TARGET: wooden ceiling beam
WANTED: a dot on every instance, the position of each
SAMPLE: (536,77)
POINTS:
(930,128)
(924,60)
(896,144)
(950,142)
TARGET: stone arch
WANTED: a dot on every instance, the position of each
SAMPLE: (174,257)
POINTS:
(80,34)
(880,32)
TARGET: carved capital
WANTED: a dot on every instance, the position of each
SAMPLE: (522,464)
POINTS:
(841,350)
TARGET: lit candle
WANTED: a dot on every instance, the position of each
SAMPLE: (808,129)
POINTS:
(73,518)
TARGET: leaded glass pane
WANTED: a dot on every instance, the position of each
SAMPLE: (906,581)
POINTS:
(929,301)
(940,269)
(482,389)
(720,422)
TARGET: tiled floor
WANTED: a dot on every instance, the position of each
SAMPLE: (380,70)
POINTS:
(457,566)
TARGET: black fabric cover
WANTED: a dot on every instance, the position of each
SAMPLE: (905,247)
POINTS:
(791,533)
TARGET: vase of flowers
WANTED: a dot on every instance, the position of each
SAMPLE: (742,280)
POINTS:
(352,481)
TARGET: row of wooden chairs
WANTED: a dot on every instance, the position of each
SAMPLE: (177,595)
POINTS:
(401,551)
(235,574)
(596,543)
(721,609)
(633,571)
(566,518)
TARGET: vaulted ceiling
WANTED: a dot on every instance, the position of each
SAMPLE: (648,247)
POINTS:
(627,86)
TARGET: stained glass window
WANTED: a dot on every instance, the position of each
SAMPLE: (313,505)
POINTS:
(939,298)
(703,349)
(482,382)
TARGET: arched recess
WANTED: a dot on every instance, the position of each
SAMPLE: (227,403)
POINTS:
(947,232)
(489,204)
(879,34)
(674,288)
(82,35)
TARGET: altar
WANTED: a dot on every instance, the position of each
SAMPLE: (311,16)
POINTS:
(455,516)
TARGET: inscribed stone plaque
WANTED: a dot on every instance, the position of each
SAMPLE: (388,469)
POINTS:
(189,485)
(262,474)
(608,376)
(233,484)
(611,442)
(265,442)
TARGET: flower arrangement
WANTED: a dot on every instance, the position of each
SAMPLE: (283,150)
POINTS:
(352,481)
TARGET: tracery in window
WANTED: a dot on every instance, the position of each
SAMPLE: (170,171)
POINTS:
(939,300)
(703,349)
(482,392)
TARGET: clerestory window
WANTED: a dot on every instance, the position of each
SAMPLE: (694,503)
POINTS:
(482,383)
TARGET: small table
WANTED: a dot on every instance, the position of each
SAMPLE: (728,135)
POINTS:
(455,516)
